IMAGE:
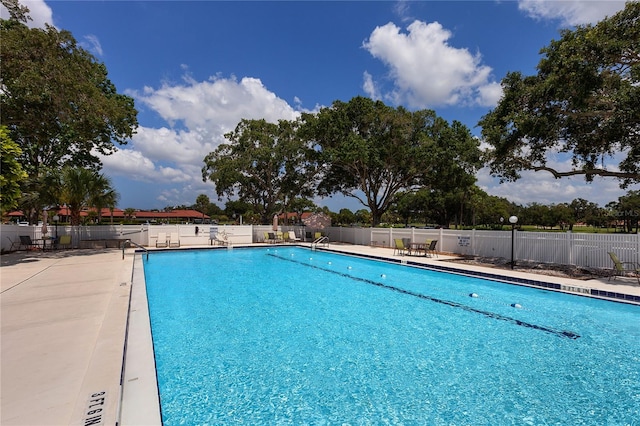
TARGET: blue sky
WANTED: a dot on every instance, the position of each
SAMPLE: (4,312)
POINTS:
(196,68)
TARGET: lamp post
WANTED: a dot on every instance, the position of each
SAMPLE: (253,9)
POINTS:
(513,220)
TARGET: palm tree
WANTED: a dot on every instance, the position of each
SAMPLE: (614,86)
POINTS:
(105,197)
(81,188)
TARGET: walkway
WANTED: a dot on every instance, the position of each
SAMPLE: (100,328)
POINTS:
(64,318)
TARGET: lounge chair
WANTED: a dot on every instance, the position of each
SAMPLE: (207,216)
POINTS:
(64,241)
(293,237)
(174,240)
(221,239)
(399,247)
(28,243)
(431,250)
(621,268)
(274,239)
(162,240)
(15,244)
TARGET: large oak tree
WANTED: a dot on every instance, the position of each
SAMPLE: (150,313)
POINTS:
(372,152)
(584,101)
(264,164)
(57,101)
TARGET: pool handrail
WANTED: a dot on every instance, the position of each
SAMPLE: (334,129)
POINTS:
(134,244)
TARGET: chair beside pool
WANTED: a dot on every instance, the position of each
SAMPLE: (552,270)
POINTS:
(292,237)
(221,239)
(174,239)
(64,241)
(399,247)
(431,250)
(161,241)
(621,268)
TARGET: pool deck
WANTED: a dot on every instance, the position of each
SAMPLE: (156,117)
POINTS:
(64,319)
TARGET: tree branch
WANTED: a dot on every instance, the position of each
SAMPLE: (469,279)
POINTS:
(591,172)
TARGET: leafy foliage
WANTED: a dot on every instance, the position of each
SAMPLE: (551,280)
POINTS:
(79,188)
(585,101)
(57,101)
(371,152)
(12,172)
(265,164)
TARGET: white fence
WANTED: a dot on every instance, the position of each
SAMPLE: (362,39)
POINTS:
(79,234)
(193,235)
(584,250)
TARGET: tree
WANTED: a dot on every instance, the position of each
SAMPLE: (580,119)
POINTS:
(584,101)
(491,209)
(345,217)
(17,12)
(371,152)
(264,164)
(562,216)
(57,101)
(363,216)
(129,213)
(202,204)
(79,189)
(628,210)
(584,211)
(105,197)
(12,173)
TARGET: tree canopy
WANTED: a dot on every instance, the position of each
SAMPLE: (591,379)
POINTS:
(264,164)
(12,172)
(371,152)
(584,101)
(57,102)
(78,188)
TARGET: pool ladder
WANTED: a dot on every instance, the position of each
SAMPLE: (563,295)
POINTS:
(321,240)
(124,245)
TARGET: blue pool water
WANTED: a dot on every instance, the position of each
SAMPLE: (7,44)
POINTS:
(289,337)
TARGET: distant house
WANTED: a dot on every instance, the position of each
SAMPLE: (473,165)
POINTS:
(118,215)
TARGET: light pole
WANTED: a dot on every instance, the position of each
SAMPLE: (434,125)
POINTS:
(513,220)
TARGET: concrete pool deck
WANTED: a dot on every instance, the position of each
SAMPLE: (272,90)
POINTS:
(64,318)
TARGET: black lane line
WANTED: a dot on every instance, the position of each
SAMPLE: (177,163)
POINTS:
(561,333)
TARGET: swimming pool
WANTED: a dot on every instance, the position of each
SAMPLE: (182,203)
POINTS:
(290,336)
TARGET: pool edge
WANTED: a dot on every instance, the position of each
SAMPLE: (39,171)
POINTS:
(140,403)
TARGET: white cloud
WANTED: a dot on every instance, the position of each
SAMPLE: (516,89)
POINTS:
(571,12)
(198,114)
(543,188)
(369,86)
(401,8)
(427,71)
(217,104)
(130,163)
(92,44)
(489,94)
